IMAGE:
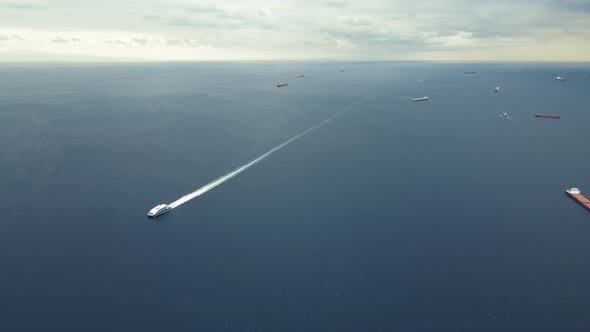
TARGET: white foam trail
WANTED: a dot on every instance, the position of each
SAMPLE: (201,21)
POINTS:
(240,169)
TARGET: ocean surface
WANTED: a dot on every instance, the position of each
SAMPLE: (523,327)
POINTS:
(395,216)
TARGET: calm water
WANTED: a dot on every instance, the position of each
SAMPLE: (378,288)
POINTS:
(397,216)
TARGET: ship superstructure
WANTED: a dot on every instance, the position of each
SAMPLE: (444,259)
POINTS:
(159,210)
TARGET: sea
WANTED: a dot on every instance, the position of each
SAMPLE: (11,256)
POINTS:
(395,215)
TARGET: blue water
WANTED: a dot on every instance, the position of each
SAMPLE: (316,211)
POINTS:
(397,216)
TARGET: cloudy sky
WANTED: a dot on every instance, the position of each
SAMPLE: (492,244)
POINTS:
(472,30)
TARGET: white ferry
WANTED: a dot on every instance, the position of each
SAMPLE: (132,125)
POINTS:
(158,210)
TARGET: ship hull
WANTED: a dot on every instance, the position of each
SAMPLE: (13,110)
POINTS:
(547,116)
(585,202)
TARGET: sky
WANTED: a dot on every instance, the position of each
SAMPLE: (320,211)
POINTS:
(195,30)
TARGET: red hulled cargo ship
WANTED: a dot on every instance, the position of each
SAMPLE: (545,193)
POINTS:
(576,194)
(549,116)
(280,85)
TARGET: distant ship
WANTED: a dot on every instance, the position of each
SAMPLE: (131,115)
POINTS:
(558,78)
(299,75)
(497,89)
(280,85)
(420,99)
(504,114)
(548,116)
(158,210)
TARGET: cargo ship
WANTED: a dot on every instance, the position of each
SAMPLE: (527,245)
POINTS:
(549,116)
(299,75)
(420,99)
(280,85)
(576,194)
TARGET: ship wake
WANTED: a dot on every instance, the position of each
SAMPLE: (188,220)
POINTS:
(240,169)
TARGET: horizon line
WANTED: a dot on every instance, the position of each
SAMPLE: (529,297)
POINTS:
(149,61)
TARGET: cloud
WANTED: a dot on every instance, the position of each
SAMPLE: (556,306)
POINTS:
(59,39)
(321,42)
(117,42)
(150,15)
(390,29)
(573,5)
(141,41)
(382,39)
(132,41)
(25,4)
(336,4)
(227,16)
(176,41)
(209,8)
(62,39)
(110,44)
(198,19)
(152,41)
(357,21)
(216,18)
(3,37)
